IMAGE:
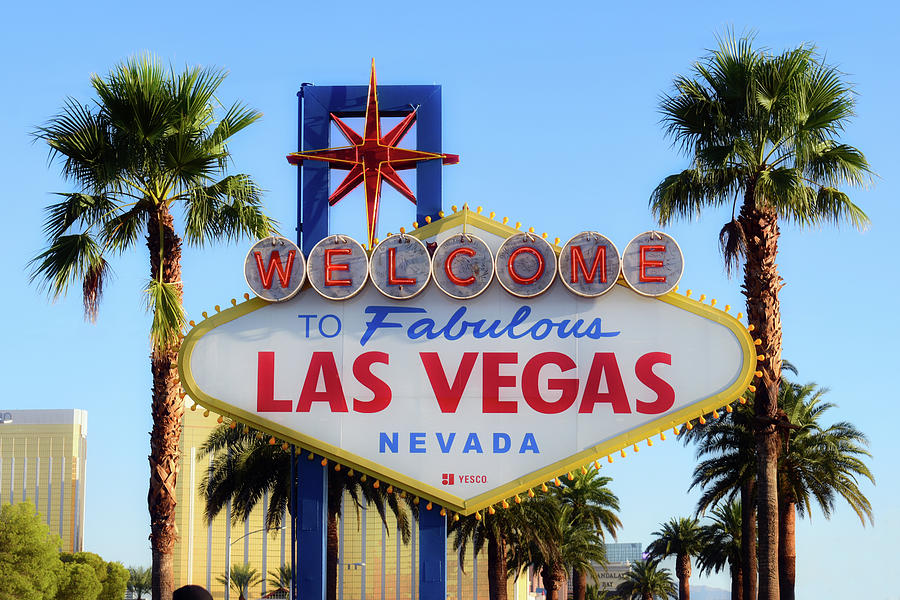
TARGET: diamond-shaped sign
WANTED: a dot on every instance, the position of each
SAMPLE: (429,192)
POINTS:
(468,402)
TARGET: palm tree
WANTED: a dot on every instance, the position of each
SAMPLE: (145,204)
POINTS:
(593,593)
(817,464)
(280,578)
(721,545)
(139,580)
(762,129)
(592,501)
(149,141)
(495,529)
(680,537)
(554,542)
(645,580)
(243,577)
(246,464)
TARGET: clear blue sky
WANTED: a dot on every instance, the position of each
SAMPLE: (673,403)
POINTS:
(553,112)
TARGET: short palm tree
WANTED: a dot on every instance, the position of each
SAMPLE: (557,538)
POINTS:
(281,578)
(149,142)
(645,580)
(243,577)
(553,542)
(246,464)
(721,544)
(592,501)
(727,448)
(679,537)
(818,464)
(494,528)
(762,133)
(139,579)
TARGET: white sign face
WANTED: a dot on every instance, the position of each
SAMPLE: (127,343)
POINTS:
(467,403)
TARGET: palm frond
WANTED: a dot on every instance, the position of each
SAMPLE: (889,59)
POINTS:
(229,209)
(164,303)
(68,259)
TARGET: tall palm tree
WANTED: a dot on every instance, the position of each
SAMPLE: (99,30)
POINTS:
(246,465)
(762,129)
(281,578)
(243,577)
(721,544)
(679,537)
(592,501)
(495,529)
(553,542)
(139,580)
(149,141)
(645,580)
(818,464)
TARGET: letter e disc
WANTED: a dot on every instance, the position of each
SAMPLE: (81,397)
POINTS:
(652,263)
(589,264)
(400,267)
(525,265)
(462,266)
(337,267)
(274,269)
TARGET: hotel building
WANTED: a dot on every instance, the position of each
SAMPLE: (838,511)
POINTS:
(42,460)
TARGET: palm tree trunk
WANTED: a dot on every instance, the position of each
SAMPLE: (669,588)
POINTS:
(552,578)
(331,559)
(748,541)
(761,286)
(167,410)
(787,551)
(683,572)
(496,566)
(737,584)
(579,584)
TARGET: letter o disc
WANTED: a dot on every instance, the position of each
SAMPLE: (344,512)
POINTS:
(337,267)
(583,271)
(274,269)
(663,263)
(462,266)
(400,267)
(525,265)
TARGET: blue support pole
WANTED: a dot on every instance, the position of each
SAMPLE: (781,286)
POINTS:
(312,521)
(432,554)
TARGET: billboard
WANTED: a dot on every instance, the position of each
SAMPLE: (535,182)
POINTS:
(383,361)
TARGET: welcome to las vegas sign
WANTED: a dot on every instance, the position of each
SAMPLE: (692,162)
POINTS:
(466,401)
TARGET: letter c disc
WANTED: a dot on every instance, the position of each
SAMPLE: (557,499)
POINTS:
(463,266)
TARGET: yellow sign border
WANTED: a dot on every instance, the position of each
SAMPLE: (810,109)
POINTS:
(522,484)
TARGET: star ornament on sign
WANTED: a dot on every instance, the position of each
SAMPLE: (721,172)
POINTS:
(372,157)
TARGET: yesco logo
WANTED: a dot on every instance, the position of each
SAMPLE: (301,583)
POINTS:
(452,478)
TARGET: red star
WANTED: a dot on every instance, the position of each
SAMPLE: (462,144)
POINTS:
(372,157)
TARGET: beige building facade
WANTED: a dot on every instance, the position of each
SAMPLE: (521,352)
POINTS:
(43,460)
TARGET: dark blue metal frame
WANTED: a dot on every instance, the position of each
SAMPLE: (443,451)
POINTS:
(316,105)
(309,478)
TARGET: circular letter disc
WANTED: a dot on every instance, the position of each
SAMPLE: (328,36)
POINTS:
(337,267)
(589,264)
(652,263)
(525,265)
(275,269)
(463,266)
(400,267)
